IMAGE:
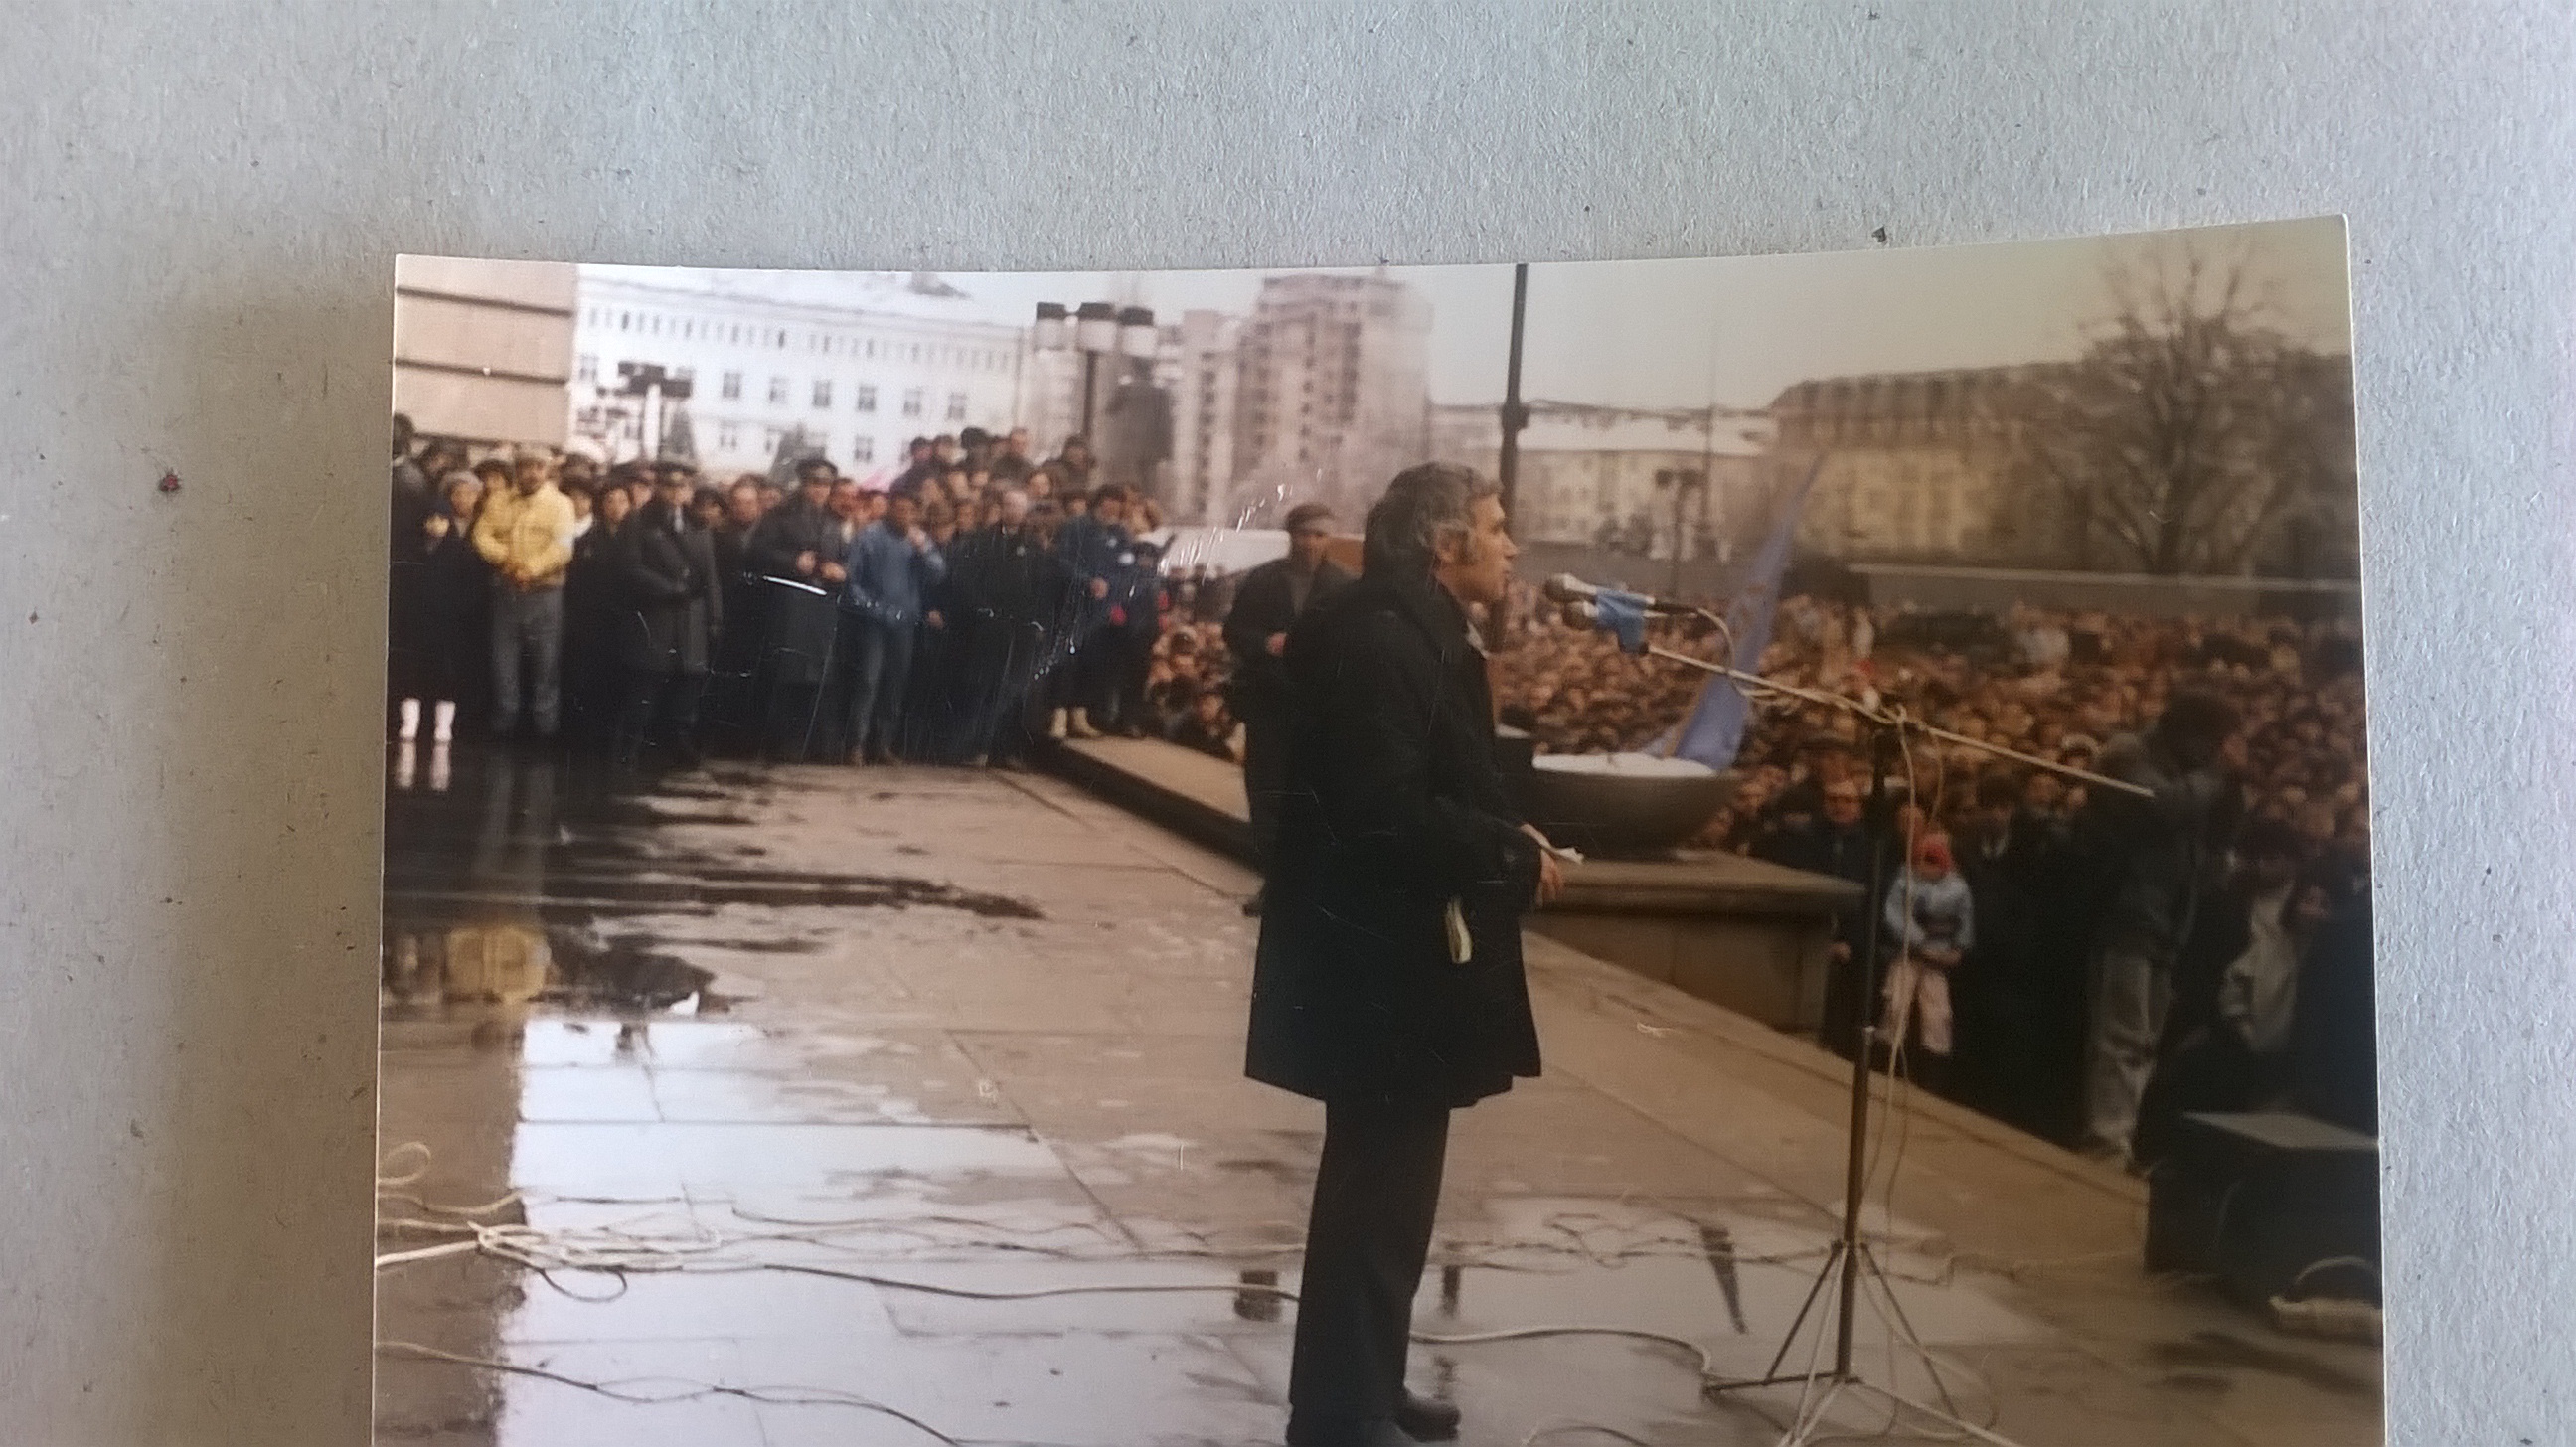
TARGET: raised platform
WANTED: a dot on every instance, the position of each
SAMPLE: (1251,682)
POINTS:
(1732,931)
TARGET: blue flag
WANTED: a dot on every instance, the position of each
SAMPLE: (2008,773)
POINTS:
(1715,728)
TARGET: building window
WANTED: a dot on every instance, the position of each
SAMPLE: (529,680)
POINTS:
(778,389)
(863,448)
(866,400)
(729,435)
(733,386)
(912,401)
(956,406)
(822,393)
(587,369)
(625,321)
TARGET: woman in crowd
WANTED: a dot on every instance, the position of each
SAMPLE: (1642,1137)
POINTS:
(436,579)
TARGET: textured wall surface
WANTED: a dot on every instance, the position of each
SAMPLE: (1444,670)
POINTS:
(202,206)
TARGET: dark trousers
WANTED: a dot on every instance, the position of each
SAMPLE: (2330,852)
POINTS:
(1265,779)
(1375,1194)
(1001,658)
(880,664)
(791,719)
(1135,674)
(1091,680)
(660,708)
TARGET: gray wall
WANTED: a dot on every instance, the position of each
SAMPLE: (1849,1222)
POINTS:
(204,204)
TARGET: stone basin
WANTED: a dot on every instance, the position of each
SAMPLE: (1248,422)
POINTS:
(1623,804)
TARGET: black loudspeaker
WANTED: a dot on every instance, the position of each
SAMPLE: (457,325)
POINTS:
(2257,1199)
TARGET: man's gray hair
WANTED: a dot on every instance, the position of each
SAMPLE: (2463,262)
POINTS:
(1421,507)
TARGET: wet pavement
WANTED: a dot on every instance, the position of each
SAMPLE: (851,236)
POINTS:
(813,1105)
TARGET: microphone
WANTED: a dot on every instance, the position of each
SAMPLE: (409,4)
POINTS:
(1608,612)
(1567,589)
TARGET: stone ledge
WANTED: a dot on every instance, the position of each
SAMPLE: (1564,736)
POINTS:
(1201,798)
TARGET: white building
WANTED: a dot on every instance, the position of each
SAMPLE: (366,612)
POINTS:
(1591,475)
(861,363)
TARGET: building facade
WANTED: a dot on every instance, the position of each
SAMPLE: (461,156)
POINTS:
(1332,393)
(1921,467)
(1205,378)
(856,366)
(1653,484)
(483,350)
(1936,469)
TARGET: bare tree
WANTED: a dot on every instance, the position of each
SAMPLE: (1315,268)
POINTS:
(2192,432)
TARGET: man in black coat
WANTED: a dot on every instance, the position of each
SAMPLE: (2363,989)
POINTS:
(1007,591)
(733,672)
(1269,602)
(1839,841)
(1388,983)
(800,542)
(673,603)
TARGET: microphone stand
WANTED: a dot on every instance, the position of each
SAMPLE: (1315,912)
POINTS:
(1850,1253)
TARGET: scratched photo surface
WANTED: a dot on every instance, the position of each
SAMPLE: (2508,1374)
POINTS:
(836,723)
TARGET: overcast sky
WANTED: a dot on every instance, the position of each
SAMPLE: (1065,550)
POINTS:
(1674,333)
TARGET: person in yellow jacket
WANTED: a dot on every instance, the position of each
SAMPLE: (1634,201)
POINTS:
(526,533)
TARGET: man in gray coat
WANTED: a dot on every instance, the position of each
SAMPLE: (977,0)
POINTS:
(2165,855)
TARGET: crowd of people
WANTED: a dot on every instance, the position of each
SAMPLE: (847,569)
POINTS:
(2059,952)
(951,614)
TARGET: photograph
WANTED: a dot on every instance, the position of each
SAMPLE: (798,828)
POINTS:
(1691,852)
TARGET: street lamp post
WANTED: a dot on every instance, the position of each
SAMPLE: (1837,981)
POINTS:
(1515,416)
(652,384)
(1097,329)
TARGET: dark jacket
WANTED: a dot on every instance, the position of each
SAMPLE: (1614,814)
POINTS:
(1264,604)
(738,637)
(1395,806)
(1005,575)
(788,530)
(671,597)
(1097,550)
(433,591)
(2158,858)
(1841,850)
(1010,597)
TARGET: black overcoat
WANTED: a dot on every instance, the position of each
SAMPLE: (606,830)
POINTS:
(1395,806)
(1264,604)
(671,596)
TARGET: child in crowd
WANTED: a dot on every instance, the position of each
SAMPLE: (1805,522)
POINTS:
(1931,925)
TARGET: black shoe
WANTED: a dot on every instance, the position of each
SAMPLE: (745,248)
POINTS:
(1426,1419)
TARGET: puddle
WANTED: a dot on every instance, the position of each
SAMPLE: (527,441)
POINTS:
(515,964)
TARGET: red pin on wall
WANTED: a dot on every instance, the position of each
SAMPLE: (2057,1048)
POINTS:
(170,481)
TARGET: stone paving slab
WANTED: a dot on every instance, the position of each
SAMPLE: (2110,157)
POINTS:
(1038,1086)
